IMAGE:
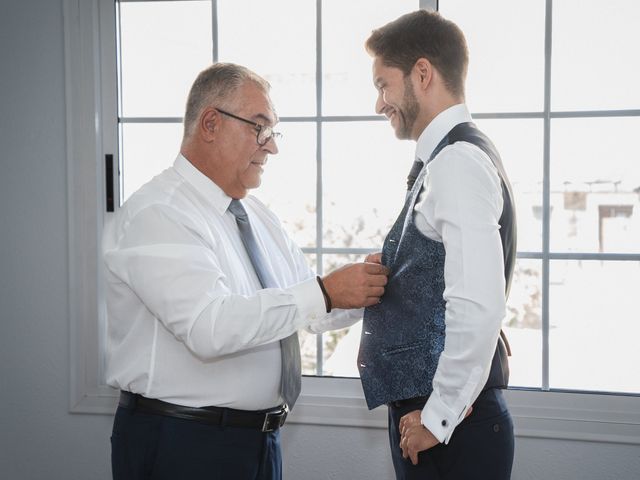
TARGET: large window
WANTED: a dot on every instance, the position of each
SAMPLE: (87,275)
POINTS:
(559,102)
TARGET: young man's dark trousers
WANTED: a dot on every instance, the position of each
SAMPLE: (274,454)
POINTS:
(481,447)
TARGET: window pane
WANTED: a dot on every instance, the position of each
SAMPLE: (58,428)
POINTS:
(523,324)
(147,149)
(277,40)
(163,47)
(595,62)
(506,52)
(347,87)
(593,341)
(289,182)
(595,185)
(341,352)
(308,349)
(340,347)
(364,173)
(520,145)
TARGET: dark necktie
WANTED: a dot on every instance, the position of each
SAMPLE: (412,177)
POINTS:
(413,174)
(289,347)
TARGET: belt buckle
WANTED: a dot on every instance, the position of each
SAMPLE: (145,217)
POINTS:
(274,420)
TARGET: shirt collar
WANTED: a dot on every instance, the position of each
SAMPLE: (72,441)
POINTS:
(439,127)
(212,193)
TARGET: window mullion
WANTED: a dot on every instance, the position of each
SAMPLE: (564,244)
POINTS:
(429,5)
(546,196)
(319,211)
(214,31)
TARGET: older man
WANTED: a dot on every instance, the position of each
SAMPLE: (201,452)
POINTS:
(205,294)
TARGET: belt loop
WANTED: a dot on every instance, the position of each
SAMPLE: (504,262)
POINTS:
(128,400)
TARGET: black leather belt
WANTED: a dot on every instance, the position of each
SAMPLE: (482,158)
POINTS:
(264,420)
(417,402)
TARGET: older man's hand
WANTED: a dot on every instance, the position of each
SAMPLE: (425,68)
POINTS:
(356,285)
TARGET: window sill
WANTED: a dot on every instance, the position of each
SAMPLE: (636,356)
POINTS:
(578,416)
(327,401)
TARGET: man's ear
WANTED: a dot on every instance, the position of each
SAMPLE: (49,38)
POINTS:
(208,124)
(423,71)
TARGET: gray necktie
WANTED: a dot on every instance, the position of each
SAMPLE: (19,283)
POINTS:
(413,174)
(289,347)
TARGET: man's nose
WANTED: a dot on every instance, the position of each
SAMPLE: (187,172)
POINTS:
(380,105)
(271,146)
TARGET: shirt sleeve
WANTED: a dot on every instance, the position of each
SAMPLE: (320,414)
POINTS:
(461,205)
(164,258)
(338,318)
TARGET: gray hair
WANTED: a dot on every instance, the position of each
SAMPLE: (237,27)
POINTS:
(217,85)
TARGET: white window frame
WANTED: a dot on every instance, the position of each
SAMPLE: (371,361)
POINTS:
(91,117)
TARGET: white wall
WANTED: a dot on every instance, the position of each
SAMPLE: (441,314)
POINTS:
(39,439)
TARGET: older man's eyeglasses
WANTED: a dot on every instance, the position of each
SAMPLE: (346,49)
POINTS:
(264,133)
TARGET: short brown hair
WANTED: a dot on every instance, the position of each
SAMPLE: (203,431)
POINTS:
(423,34)
(216,85)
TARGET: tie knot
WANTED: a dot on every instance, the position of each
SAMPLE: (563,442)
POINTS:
(238,211)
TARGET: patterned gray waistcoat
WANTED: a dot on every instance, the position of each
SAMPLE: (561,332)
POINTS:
(403,336)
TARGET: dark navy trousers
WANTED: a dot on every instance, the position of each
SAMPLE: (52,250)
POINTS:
(154,447)
(480,448)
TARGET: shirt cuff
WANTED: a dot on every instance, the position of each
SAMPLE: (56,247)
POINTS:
(439,419)
(442,420)
(309,300)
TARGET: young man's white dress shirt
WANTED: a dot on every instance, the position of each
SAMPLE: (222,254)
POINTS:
(460,206)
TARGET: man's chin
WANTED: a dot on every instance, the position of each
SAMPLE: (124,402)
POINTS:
(402,134)
(254,183)
(400,131)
